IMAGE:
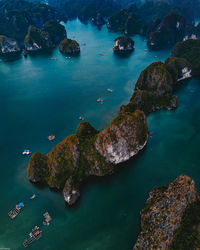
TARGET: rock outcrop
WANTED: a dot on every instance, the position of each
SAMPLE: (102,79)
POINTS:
(46,38)
(89,153)
(68,46)
(153,90)
(123,44)
(163,212)
(173,28)
(190,51)
(8,46)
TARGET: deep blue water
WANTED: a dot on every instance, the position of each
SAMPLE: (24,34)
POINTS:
(40,96)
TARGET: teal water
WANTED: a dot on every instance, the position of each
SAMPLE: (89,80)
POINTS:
(40,96)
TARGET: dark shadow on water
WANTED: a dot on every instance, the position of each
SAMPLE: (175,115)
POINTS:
(42,53)
(123,54)
(11,57)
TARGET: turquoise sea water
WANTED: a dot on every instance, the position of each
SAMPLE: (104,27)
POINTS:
(40,96)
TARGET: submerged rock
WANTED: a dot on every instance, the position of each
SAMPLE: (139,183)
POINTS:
(123,44)
(8,46)
(68,46)
(89,153)
(163,213)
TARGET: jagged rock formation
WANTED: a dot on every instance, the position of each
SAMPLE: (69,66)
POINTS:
(8,46)
(123,44)
(89,153)
(68,46)
(126,21)
(189,50)
(163,212)
(179,68)
(153,90)
(46,38)
(173,28)
(17,15)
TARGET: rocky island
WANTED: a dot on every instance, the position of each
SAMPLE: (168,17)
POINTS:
(123,44)
(164,214)
(68,46)
(93,153)
(173,28)
(46,38)
(8,46)
(89,153)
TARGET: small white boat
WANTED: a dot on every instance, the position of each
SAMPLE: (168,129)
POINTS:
(53,58)
(51,137)
(110,90)
(68,57)
(81,118)
(26,152)
(33,197)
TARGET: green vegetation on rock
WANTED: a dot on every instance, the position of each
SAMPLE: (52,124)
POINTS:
(80,155)
(189,50)
(187,235)
(68,46)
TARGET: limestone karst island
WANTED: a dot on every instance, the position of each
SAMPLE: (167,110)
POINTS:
(100,122)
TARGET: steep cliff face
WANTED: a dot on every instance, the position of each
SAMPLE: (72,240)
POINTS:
(68,46)
(89,152)
(189,50)
(163,212)
(172,29)
(8,46)
(124,138)
(153,90)
(46,38)
(123,44)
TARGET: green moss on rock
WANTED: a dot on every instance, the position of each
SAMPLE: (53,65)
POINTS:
(189,50)
(68,46)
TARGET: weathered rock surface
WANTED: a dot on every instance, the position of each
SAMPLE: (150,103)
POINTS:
(179,68)
(163,212)
(8,46)
(123,44)
(68,46)
(172,29)
(89,153)
(46,38)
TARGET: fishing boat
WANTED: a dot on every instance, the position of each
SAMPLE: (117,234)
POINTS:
(33,197)
(100,100)
(51,137)
(26,152)
(102,54)
(53,58)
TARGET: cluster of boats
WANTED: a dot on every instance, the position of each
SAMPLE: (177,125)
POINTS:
(35,234)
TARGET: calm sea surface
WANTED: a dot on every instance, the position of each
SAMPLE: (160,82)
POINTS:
(40,96)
